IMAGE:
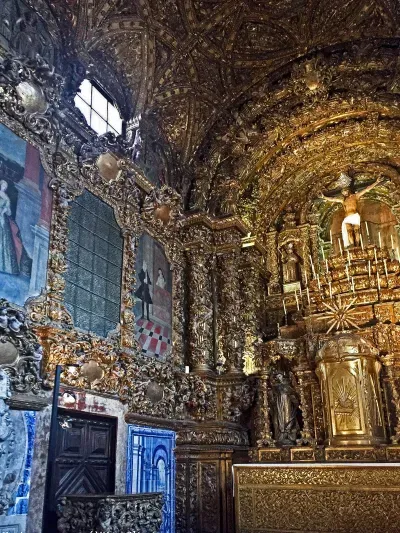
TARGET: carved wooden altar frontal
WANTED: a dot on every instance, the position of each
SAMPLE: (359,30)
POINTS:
(317,498)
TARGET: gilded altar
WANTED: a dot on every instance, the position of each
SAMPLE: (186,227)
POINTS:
(338,498)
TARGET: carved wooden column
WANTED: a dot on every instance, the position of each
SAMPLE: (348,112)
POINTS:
(230,309)
(262,425)
(305,380)
(306,271)
(252,288)
(200,310)
(314,240)
(392,381)
(272,262)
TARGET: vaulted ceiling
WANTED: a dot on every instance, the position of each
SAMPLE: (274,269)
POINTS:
(192,58)
(233,82)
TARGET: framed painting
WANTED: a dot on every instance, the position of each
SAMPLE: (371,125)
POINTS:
(25,217)
(153,299)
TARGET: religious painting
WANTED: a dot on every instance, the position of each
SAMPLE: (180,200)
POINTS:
(153,299)
(25,216)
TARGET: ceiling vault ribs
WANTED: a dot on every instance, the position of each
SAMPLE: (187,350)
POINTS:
(252,93)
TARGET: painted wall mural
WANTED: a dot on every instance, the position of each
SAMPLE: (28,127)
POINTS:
(25,216)
(153,299)
(151,467)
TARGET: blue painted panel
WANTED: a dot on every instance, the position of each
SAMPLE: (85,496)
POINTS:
(151,467)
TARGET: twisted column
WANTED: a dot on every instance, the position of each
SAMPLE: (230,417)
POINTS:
(230,310)
(201,332)
(262,425)
(252,297)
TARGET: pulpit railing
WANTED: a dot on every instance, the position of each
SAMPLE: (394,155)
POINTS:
(114,513)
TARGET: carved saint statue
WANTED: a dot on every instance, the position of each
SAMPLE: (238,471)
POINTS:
(351,222)
(290,262)
(284,409)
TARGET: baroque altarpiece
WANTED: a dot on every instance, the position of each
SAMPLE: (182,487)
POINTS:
(227,269)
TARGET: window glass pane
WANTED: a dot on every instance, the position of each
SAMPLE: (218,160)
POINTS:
(93,278)
(99,103)
(114,118)
(80,104)
(98,124)
(86,91)
(98,110)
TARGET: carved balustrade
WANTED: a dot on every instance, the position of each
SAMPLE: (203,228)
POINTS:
(137,513)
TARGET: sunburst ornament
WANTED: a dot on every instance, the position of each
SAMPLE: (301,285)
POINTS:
(340,316)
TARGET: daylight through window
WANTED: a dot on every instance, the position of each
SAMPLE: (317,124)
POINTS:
(99,111)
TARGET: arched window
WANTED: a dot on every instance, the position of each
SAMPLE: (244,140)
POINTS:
(98,110)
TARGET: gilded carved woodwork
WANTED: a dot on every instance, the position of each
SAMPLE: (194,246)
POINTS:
(348,369)
(110,513)
(307,498)
(247,148)
(20,351)
(204,490)
(31,93)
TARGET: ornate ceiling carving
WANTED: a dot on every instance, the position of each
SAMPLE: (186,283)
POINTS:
(193,58)
(267,95)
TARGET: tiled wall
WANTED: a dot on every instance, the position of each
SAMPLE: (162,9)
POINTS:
(24,426)
(151,467)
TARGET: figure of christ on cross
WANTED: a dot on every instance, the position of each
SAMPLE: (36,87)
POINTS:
(351,222)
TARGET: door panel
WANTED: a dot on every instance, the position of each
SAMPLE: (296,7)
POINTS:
(85,457)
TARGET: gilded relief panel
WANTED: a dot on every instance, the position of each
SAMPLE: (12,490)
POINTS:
(317,498)
(343,388)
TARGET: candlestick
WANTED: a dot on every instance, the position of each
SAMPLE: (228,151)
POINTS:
(297,301)
(187,370)
(301,292)
(319,284)
(308,296)
(361,241)
(369,268)
(378,280)
(386,272)
(348,257)
(305,277)
(366,228)
(312,266)
(323,253)
(340,246)
(380,240)
(327,266)
(331,236)
(352,285)
(376,259)
(279,330)
(391,240)
(284,306)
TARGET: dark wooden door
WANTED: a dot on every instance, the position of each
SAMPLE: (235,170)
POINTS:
(85,458)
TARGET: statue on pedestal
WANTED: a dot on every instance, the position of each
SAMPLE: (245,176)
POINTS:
(285,403)
(290,261)
(352,220)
